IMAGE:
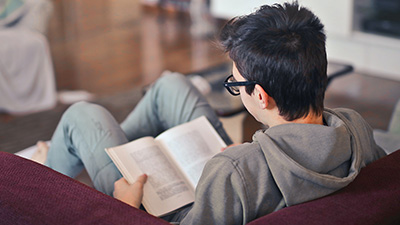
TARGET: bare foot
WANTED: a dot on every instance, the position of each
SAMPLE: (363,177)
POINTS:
(41,153)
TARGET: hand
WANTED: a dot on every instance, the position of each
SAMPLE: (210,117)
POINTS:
(223,149)
(131,194)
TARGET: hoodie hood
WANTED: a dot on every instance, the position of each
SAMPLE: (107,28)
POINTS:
(308,161)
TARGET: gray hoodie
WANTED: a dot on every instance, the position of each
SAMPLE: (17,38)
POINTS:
(283,166)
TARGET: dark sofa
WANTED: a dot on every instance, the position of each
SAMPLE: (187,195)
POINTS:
(33,194)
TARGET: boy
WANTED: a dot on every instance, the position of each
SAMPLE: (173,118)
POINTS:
(279,71)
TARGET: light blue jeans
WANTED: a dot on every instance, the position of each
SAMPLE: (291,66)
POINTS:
(86,129)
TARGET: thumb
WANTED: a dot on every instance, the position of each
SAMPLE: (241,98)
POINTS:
(142,179)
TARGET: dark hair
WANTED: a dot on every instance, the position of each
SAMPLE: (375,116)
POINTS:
(282,48)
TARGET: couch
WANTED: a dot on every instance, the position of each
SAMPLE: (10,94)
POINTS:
(34,194)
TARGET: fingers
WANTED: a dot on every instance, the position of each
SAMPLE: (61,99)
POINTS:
(131,194)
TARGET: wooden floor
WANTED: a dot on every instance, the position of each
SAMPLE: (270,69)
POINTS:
(106,46)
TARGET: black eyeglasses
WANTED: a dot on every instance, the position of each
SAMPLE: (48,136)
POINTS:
(232,85)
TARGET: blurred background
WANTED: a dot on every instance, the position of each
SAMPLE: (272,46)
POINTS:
(56,52)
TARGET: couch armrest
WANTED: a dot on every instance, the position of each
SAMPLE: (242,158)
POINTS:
(34,194)
(372,198)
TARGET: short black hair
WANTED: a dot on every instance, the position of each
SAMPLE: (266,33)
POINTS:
(282,48)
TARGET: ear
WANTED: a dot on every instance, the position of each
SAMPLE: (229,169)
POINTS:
(261,97)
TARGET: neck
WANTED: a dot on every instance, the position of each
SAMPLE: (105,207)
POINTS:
(309,119)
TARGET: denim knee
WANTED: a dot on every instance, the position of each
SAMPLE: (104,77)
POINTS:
(81,111)
(173,83)
(172,79)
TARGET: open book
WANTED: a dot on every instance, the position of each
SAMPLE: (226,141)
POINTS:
(173,162)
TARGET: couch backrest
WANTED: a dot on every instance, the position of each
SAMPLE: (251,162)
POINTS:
(372,198)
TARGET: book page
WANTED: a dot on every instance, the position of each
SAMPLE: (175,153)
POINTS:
(192,145)
(166,188)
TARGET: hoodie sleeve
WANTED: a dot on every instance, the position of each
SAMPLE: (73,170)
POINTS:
(221,195)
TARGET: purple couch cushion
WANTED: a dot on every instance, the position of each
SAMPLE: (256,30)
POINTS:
(34,194)
(372,198)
